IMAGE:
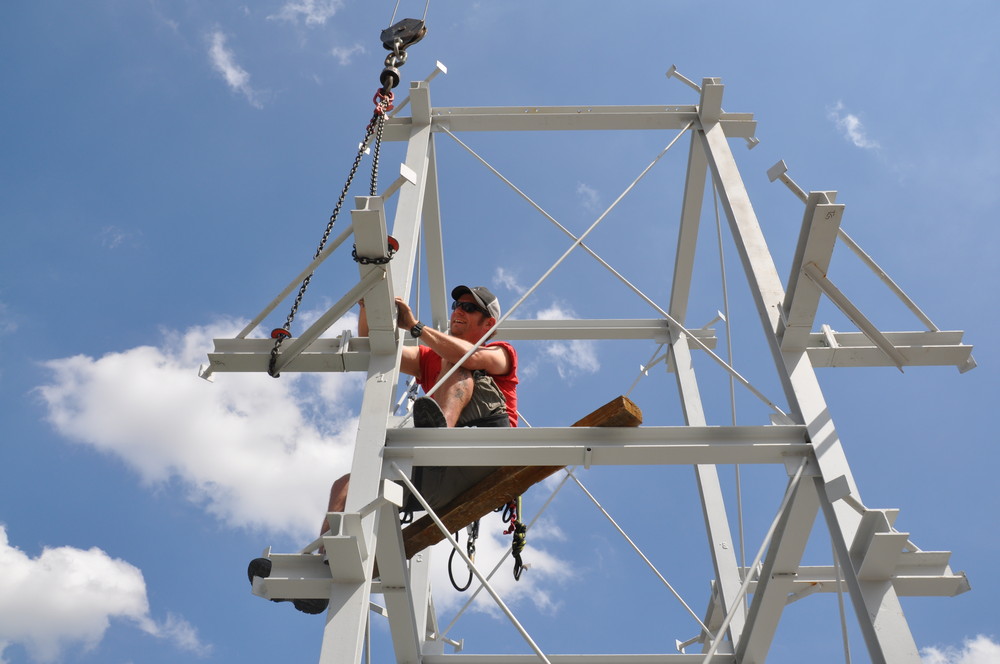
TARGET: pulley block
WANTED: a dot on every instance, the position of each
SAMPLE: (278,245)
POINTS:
(403,34)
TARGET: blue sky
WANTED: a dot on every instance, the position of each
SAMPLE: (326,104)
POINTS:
(166,167)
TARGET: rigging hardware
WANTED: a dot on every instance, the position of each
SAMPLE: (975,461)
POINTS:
(470,549)
(511,513)
(397,39)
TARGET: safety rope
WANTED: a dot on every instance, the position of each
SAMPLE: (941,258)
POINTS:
(396,39)
(470,549)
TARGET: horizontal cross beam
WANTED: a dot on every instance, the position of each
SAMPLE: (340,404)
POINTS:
(567,446)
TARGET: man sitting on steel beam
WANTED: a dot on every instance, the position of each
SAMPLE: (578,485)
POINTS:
(482,392)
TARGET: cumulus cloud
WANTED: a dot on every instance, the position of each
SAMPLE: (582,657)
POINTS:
(253,451)
(345,54)
(850,125)
(571,358)
(588,197)
(979,650)
(66,597)
(225,63)
(312,12)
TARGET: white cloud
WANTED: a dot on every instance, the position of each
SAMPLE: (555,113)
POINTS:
(588,197)
(345,54)
(313,12)
(225,63)
(571,358)
(851,127)
(180,632)
(504,278)
(979,650)
(113,237)
(254,451)
(66,597)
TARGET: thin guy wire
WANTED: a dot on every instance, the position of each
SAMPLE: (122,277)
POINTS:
(659,310)
(548,272)
(732,386)
(465,558)
(641,554)
(840,605)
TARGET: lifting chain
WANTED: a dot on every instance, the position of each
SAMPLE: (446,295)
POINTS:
(399,36)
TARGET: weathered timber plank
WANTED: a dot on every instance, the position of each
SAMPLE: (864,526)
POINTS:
(619,412)
(506,483)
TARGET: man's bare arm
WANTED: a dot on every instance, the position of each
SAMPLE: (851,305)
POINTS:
(492,360)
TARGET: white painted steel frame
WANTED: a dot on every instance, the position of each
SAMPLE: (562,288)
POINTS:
(876,568)
(877,609)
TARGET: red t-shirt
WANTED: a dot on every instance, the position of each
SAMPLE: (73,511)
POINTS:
(430,367)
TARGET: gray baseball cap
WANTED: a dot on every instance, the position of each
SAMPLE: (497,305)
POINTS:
(482,296)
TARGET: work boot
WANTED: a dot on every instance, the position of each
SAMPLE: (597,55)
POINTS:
(428,414)
(262,567)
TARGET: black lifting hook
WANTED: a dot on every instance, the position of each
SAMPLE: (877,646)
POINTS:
(397,38)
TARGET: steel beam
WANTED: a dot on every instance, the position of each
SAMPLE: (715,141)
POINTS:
(566,446)
(720,538)
(882,622)
(854,314)
(815,248)
(664,658)
(569,118)
(434,246)
(855,349)
(349,602)
(778,575)
(687,241)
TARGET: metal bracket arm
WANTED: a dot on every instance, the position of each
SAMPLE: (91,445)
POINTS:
(815,248)
(371,241)
(335,313)
(854,314)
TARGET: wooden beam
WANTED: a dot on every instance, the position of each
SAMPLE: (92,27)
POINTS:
(506,483)
(620,412)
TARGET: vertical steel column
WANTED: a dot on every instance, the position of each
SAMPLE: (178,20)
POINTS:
(717,528)
(434,245)
(406,224)
(349,602)
(343,634)
(720,540)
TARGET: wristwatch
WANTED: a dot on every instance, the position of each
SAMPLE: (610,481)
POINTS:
(417,330)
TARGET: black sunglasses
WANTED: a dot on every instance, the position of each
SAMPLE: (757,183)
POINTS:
(469,308)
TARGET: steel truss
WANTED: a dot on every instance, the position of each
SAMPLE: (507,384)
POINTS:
(876,563)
